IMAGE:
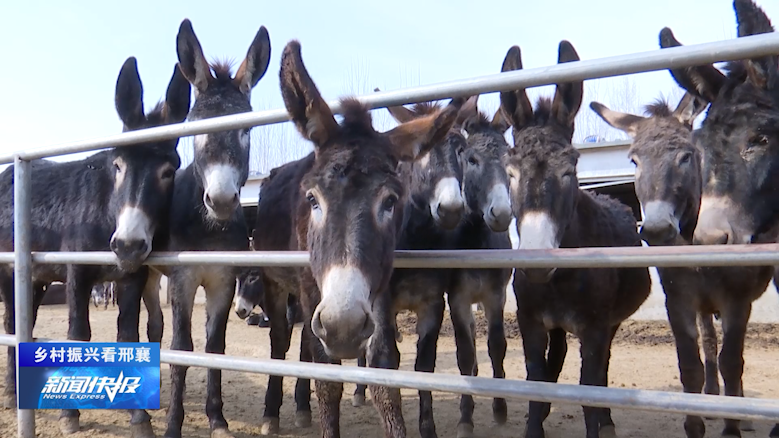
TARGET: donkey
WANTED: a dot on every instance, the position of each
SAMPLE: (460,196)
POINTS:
(206,213)
(740,171)
(251,293)
(669,186)
(344,204)
(552,212)
(433,210)
(116,199)
(484,226)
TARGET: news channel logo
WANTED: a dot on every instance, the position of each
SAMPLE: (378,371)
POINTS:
(76,375)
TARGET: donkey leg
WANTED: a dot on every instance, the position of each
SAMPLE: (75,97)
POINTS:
(151,300)
(462,321)
(78,289)
(558,349)
(219,299)
(328,393)
(682,318)
(383,353)
(709,339)
(496,346)
(429,320)
(595,343)
(607,428)
(303,386)
(359,392)
(128,320)
(182,286)
(534,342)
(275,308)
(9,324)
(731,358)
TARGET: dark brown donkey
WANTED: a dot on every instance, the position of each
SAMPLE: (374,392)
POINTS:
(668,185)
(344,204)
(553,212)
(739,143)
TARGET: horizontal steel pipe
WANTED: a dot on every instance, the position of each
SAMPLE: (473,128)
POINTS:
(684,56)
(660,256)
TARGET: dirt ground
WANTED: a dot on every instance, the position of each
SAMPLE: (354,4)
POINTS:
(643,357)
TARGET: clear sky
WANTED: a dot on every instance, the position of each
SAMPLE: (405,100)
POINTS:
(62,58)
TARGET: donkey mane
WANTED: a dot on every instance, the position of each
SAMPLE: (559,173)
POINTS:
(543,112)
(356,117)
(425,108)
(658,108)
(223,70)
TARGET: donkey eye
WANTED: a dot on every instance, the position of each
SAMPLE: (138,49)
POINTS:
(312,200)
(685,158)
(389,203)
(168,174)
(758,140)
(473,161)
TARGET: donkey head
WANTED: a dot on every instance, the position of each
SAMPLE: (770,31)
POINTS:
(436,177)
(485,183)
(668,173)
(739,139)
(221,161)
(143,174)
(542,164)
(351,204)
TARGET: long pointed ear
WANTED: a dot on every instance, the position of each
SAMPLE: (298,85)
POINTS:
(400,113)
(177,98)
(469,111)
(704,81)
(499,121)
(568,96)
(515,104)
(413,139)
(762,72)
(689,108)
(191,59)
(128,97)
(309,112)
(255,64)
(627,123)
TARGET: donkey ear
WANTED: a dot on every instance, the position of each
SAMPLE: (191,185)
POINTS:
(515,104)
(177,97)
(128,98)
(499,121)
(255,64)
(400,113)
(308,110)
(689,108)
(627,123)
(568,96)
(753,21)
(191,60)
(468,112)
(703,81)
(414,139)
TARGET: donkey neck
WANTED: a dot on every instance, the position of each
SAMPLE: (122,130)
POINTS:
(419,230)
(588,223)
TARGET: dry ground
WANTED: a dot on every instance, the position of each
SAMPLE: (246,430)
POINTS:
(643,357)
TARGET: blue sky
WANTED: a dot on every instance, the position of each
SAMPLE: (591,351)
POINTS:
(62,58)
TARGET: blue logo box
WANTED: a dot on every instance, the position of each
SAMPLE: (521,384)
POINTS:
(79,375)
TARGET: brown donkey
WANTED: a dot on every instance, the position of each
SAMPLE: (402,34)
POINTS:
(553,212)
(344,205)
(668,185)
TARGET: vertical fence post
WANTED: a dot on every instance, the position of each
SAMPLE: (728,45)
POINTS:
(22,280)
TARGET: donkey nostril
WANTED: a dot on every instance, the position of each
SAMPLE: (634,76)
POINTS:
(492,212)
(209,202)
(317,328)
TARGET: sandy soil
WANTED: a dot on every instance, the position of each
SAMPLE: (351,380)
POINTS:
(646,343)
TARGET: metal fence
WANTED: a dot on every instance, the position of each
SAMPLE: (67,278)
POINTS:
(697,404)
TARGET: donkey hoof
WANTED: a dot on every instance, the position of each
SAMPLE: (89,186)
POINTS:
(499,411)
(464,430)
(142,430)
(221,433)
(270,426)
(303,419)
(69,425)
(9,401)
(747,426)
(608,431)
(358,400)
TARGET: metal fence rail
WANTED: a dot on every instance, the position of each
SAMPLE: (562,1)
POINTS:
(635,399)
(740,48)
